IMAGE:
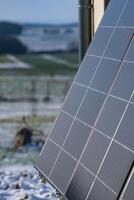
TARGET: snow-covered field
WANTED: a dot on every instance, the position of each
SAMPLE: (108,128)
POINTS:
(20,182)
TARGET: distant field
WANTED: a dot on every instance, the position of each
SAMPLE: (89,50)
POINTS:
(45,63)
(46,66)
(72,57)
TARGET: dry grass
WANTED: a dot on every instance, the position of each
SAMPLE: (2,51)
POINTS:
(4,59)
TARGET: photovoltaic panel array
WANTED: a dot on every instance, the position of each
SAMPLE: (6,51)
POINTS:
(90,151)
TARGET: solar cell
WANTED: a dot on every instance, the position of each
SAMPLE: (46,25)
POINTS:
(127,16)
(87,70)
(105,75)
(90,151)
(98,46)
(113,12)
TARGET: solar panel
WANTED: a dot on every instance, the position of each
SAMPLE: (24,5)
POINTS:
(90,151)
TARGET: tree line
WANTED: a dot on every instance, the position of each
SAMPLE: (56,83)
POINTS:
(9,43)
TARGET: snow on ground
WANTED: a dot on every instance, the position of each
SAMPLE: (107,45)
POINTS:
(20,182)
(18,178)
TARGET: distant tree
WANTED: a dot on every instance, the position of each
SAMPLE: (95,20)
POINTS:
(9,29)
(11,45)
